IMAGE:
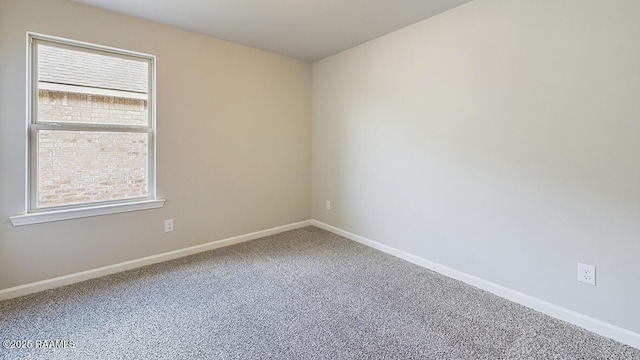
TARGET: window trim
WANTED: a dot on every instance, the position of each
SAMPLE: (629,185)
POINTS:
(32,214)
(82,212)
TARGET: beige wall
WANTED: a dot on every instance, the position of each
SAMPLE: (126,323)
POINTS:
(233,143)
(501,139)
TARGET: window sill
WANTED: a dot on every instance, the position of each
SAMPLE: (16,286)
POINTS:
(58,215)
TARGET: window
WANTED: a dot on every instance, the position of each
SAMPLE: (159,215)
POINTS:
(91,130)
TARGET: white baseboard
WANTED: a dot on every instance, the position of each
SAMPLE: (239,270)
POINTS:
(597,326)
(26,289)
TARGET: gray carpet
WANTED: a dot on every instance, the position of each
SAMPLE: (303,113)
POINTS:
(303,294)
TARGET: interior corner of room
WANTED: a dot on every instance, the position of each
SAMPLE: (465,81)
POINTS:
(497,143)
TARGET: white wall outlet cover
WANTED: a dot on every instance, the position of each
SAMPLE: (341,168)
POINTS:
(587,274)
(328,205)
(168,225)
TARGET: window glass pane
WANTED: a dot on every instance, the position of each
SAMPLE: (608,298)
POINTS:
(87,87)
(89,166)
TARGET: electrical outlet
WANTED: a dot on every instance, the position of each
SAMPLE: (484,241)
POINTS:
(327,205)
(168,225)
(587,274)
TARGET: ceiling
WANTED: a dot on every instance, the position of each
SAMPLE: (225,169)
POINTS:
(305,29)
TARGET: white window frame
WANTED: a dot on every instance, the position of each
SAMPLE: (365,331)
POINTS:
(33,214)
